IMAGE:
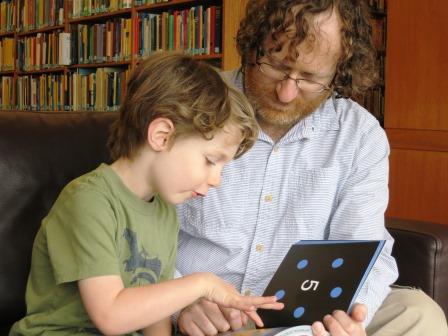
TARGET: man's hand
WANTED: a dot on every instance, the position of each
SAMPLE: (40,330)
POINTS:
(340,323)
(207,318)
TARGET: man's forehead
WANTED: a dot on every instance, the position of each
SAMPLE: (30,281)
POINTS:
(323,38)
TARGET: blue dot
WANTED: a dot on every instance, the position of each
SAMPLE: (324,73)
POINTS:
(337,262)
(302,264)
(280,294)
(298,312)
(335,292)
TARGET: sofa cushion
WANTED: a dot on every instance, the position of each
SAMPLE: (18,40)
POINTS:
(421,251)
(39,154)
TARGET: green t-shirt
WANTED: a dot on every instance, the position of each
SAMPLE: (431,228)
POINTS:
(96,227)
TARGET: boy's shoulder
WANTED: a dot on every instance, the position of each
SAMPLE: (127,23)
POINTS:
(87,187)
(95,179)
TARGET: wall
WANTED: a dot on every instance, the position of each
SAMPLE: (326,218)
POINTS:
(416,110)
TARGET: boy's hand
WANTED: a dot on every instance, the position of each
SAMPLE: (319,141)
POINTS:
(225,295)
(339,323)
(207,318)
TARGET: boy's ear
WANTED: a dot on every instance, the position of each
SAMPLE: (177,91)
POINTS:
(160,131)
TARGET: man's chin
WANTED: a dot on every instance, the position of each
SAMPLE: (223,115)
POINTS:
(277,117)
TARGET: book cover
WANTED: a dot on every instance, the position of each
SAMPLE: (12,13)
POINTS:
(292,331)
(317,277)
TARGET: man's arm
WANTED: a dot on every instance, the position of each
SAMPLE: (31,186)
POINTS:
(360,212)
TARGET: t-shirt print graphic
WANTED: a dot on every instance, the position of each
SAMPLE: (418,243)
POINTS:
(140,260)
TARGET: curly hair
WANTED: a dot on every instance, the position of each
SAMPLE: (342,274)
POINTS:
(190,93)
(357,68)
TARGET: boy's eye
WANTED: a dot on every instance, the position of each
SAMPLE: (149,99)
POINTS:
(209,162)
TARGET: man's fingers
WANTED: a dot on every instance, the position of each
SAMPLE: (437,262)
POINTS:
(359,312)
(233,316)
(193,330)
(319,329)
(345,321)
(244,318)
(214,316)
(195,321)
(255,317)
(333,326)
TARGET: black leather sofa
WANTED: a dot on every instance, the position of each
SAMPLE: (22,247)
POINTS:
(41,152)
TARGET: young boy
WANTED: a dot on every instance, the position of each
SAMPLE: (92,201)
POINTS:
(104,256)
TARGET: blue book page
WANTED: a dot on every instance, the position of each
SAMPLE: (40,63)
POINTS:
(317,277)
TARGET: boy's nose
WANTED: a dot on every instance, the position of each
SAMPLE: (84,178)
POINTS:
(214,179)
(287,90)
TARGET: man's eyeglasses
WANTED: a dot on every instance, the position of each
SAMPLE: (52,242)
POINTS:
(303,84)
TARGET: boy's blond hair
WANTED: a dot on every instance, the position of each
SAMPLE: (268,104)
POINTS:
(190,93)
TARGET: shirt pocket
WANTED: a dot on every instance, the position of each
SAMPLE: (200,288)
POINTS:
(310,201)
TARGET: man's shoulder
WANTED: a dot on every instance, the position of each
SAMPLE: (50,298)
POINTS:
(349,112)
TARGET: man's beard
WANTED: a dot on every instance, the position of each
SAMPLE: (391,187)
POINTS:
(274,113)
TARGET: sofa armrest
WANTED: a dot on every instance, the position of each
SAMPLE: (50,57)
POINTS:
(421,251)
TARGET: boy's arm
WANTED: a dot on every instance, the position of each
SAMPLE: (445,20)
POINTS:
(161,328)
(118,310)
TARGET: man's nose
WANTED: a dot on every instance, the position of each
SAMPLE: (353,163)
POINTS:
(287,90)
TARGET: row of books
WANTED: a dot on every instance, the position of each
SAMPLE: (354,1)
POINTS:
(102,89)
(6,93)
(99,89)
(378,33)
(43,51)
(379,5)
(382,66)
(373,101)
(148,2)
(34,14)
(80,8)
(196,30)
(7,16)
(7,54)
(102,42)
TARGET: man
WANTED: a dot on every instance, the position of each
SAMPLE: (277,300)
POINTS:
(319,170)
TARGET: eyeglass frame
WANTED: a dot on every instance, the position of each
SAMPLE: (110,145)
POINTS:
(288,76)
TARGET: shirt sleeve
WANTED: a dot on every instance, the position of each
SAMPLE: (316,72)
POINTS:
(360,212)
(81,235)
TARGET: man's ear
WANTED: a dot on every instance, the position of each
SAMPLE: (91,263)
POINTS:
(160,131)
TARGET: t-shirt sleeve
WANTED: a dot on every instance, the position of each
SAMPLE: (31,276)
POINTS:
(81,236)
(168,272)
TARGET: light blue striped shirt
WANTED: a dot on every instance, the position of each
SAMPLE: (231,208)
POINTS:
(325,179)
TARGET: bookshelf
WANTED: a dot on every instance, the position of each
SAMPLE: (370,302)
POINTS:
(76,55)
(91,48)
(374,99)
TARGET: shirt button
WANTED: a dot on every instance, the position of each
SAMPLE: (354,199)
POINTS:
(268,198)
(259,248)
(247,292)
(276,149)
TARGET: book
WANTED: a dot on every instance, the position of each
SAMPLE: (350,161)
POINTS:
(317,277)
(292,331)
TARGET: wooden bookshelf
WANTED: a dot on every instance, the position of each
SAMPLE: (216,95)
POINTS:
(29,36)
(227,58)
(374,99)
